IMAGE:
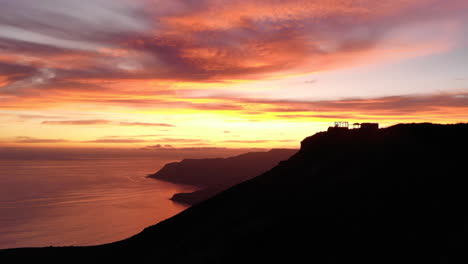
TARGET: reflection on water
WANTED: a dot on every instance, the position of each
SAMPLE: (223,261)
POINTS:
(81,202)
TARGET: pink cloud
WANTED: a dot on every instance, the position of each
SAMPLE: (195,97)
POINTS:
(206,41)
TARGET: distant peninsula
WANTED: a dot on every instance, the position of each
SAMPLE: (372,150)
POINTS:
(217,174)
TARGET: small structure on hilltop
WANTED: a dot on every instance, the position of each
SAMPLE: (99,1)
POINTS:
(356,126)
(341,126)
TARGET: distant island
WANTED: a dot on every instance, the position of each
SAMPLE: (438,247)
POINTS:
(217,174)
(390,195)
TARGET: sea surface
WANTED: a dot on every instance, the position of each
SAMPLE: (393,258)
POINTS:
(64,202)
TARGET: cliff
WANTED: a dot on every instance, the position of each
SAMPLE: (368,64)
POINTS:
(394,195)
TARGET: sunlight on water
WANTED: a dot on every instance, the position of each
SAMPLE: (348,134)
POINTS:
(81,202)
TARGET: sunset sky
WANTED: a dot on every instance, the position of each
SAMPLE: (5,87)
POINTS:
(224,73)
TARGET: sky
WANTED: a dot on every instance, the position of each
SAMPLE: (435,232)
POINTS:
(224,73)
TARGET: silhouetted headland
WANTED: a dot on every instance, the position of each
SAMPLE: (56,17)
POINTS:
(392,195)
(215,175)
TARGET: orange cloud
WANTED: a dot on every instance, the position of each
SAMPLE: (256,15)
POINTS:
(78,122)
(145,124)
(116,141)
(216,41)
(31,140)
(258,141)
(438,107)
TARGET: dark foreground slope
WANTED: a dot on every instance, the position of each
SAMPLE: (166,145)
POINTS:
(396,195)
(216,175)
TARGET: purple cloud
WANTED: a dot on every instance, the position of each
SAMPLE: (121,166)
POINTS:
(69,24)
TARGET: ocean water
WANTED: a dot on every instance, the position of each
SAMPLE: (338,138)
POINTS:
(63,202)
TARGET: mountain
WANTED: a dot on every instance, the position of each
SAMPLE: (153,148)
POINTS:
(215,175)
(393,195)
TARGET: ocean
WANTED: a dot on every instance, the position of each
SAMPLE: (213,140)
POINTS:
(81,201)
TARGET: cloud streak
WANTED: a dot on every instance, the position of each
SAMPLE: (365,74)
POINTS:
(258,141)
(145,124)
(116,141)
(438,106)
(78,122)
(31,140)
(165,142)
(99,122)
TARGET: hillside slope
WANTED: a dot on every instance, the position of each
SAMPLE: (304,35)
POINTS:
(396,195)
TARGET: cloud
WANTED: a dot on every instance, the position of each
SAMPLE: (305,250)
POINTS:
(145,124)
(216,40)
(20,75)
(35,39)
(258,141)
(188,103)
(219,151)
(133,136)
(311,81)
(116,140)
(133,53)
(15,70)
(41,77)
(246,141)
(438,106)
(180,140)
(228,39)
(38,140)
(159,146)
(78,122)
(321,116)
(62,23)
(26,116)
(163,141)
(214,106)
(105,122)
(31,116)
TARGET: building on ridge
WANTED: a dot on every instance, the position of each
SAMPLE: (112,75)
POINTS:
(342,126)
